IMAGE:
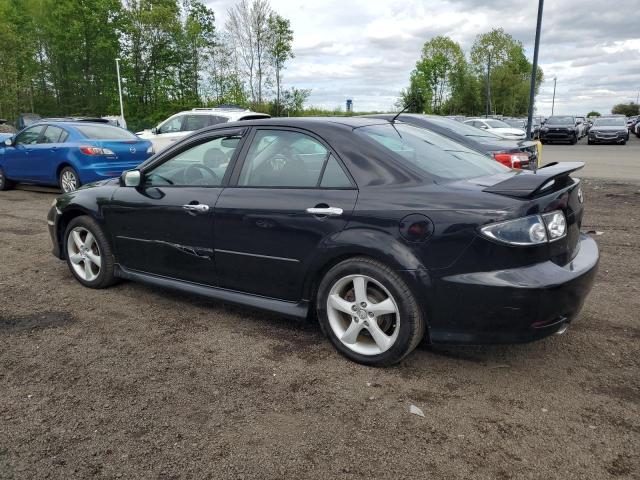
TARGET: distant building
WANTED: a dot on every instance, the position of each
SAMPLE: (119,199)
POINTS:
(349,105)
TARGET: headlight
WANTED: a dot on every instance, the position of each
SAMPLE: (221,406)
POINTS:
(556,225)
(527,231)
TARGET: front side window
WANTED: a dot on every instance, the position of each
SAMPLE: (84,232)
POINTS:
(29,136)
(496,124)
(172,125)
(279,158)
(204,165)
(195,122)
(434,154)
(52,134)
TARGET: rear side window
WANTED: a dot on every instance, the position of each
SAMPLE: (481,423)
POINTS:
(334,176)
(105,132)
(434,154)
(52,134)
(195,122)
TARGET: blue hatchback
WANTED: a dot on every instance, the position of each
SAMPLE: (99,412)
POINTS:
(69,154)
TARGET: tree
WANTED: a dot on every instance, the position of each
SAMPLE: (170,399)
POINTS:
(280,49)
(200,38)
(293,100)
(628,109)
(593,114)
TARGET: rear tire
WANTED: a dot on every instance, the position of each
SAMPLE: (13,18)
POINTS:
(88,253)
(368,312)
(5,183)
(69,180)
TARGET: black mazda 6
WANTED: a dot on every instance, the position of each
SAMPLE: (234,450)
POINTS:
(386,232)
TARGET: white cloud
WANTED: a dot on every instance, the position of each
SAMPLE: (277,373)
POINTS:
(366,49)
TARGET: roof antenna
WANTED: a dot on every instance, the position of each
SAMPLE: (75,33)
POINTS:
(406,107)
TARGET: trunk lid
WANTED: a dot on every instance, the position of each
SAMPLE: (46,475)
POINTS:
(126,151)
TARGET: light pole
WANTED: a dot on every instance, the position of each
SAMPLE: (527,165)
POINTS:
(489,50)
(120,93)
(534,68)
(553,103)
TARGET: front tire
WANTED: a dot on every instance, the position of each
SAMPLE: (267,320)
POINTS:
(574,140)
(368,312)
(5,183)
(68,180)
(88,253)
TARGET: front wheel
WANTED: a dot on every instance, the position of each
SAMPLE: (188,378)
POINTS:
(5,183)
(69,180)
(368,312)
(88,253)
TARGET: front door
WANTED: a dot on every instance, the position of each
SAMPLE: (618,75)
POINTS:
(16,161)
(289,195)
(166,226)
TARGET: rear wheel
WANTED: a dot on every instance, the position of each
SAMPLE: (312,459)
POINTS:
(368,312)
(69,180)
(88,253)
(5,183)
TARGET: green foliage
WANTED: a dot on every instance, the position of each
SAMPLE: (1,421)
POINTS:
(280,49)
(593,114)
(628,109)
(444,82)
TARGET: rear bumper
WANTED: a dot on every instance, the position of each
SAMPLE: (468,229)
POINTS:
(515,305)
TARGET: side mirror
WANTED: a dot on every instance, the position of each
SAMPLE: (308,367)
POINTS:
(154,130)
(131,178)
(9,142)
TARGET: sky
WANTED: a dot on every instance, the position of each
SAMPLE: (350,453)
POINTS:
(365,49)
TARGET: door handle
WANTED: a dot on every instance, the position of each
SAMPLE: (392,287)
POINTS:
(198,208)
(328,211)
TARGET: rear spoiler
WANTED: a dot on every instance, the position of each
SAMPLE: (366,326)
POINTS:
(528,184)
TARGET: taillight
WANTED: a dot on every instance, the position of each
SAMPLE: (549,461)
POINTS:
(531,230)
(513,160)
(88,150)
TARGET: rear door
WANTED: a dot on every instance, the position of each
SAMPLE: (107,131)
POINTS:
(290,193)
(166,226)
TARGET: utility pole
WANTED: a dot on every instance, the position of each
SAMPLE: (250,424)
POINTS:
(120,93)
(488,111)
(553,103)
(534,68)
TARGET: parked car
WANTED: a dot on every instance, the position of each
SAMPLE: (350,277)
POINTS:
(183,123)
(581,126)
(559,128)
(380,229)
(637,130)
(512,153)
(608,130)
(6,130)
(69,154)
(632,122)
(497,127)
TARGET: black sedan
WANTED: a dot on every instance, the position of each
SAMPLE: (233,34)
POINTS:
(608,130)
(512,153)
(387,232)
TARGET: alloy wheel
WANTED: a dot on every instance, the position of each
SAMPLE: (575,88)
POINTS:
(84,254)
(363,315)
(69,181)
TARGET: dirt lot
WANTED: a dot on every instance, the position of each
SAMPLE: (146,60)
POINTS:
(134,382)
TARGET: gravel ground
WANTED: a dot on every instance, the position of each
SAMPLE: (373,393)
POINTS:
(135,382)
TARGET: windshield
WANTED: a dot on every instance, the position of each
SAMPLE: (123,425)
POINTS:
(105,132)
(610,122)
(560,121)
(516,123)
(432,153)
(462,128)
(496,124)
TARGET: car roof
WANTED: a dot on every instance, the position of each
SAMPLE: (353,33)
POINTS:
(306,122)
(229,112)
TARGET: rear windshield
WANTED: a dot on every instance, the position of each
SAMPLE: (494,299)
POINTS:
(105,132)
(560,121)
(610,122)
(432,153)
(462,128)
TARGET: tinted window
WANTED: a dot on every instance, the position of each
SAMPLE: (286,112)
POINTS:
(215,120)
(610,122)
(52,134)
(461,128)
(560,121)
(283,159)
(334,176)
(105,132)
(204,165)
(434,154)
(172,125)
(195,122)
(29,136)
